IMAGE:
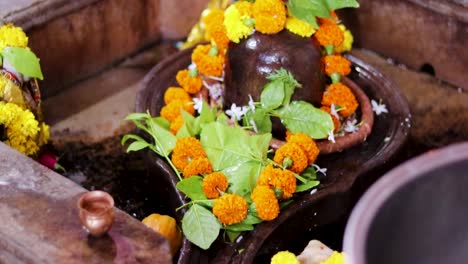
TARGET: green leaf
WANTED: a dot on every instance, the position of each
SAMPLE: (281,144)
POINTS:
(192,187)
(137,116)
(237,154)
(232,235)
(188,128)
(125,138)
(137,145)
(290,83)
(272,95)
(261,119)
(338,4)
(308,10)
(309,173)
(307,186)
(200,226)
(283,204)
(24,61)
(300,116)
(162,122)
(239,227)
(164,140)
(251,220)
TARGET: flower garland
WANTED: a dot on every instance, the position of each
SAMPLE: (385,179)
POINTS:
(20,128)
(232,180)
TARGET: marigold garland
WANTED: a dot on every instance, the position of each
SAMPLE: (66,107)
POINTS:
(269,15)
(230,209)
(340,95)
(295,153)
(176,124)
(185,150)
(197,166)
(236,21)
(299,27)
(174,109)
(307,144)
(214,184)
(207,64)
(347,43)
(283,180)
(191,84)
(11,36)
(176,93)
(215,30)
(336,64)
(329,34)
(266,204)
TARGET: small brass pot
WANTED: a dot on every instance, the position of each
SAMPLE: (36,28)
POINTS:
(96,211)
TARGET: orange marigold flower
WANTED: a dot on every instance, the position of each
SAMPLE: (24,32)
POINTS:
(307,144)
(176,93)
(336,121)
(190,84)
(340,95)
(172,110)
(176,124)
(211,65)
(332,20)
(336,64)
(293,152)
(215,30)
(213,184)
(230,209)
(278,178)
(329,34)
(198,166)
(186,150)
(269,15)
(245,8)
(266,204)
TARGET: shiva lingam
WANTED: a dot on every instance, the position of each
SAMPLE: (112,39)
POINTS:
(96,211)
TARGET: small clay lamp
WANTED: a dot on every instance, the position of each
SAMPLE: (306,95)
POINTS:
(96,211)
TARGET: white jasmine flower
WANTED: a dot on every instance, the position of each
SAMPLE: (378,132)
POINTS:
(251,103)
(313,191)
(334,111)
(378,108)
(192,66)
(331,136)
(321,170)
(235,112)
(351,126)
(198,104)
(215,89)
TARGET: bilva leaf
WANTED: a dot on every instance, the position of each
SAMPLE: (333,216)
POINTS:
(192,187)
(260,119)
(237,154)
(137,145)
(338,4)
(272,95)
(308,10)
(24,61)
(306,186)
(164,140)
(200,226)
(239,227)
(300,116)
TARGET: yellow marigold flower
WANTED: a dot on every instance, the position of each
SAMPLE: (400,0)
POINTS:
(347,43)
(306,143)
(186,150)
(176,124)
(11,36)
(284,257)
(329,34)
(176,93)
(266,204)
(278,178)
(336,121)
(336,64)
(299,27)
(335,258)
(235,21)
(190,84)
(44,134)
(197,166)
(215,30)
(211,65)
(213,184)
(340,95)
(269,15)
(230,209)
(293,152)
(172,110)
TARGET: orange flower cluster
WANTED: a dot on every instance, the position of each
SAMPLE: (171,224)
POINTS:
(213,184)
(307,144)
(295,153)
(336,64)
(207,63)
(278,178)
(336,121)
(186,150)
(329,34)
(176,93)
(197,166)
(215,30)
(269,15)
(176,124)
(191,84)
(266,204)
(340,95)
(172,110)
(230,209)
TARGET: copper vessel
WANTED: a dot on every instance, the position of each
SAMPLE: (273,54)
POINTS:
(96,211)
